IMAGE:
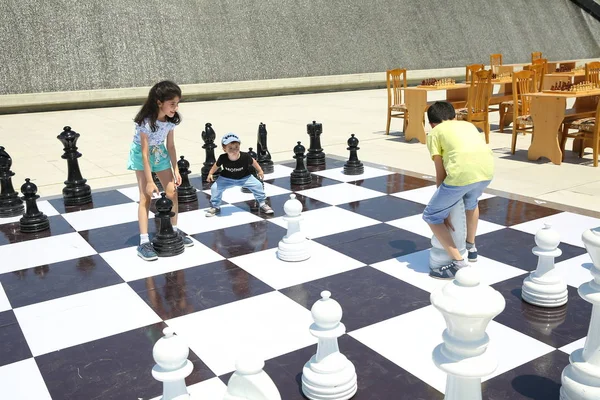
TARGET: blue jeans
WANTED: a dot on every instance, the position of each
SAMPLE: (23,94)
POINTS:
(446,197)
(222,184)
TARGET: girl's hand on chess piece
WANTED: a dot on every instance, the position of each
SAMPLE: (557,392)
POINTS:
(151,188)
(177,178)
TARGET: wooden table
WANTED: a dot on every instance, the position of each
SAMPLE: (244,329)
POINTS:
(555,77)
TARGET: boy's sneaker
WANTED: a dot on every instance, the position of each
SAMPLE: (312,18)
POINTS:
(187,241)
(147,252)
(211,212)
(444,272)
(472,254)
(266,209)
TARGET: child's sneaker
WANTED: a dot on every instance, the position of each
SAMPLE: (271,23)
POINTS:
(146,252)
(472,254)
(266,209)
(211,212)
(187,241)
(444,272)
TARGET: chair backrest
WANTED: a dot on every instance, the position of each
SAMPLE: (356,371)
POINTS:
(480,92)
(470,69)
(523,82)
(495,61)
(535,55)
(540,72)
(592,73)
(396,81)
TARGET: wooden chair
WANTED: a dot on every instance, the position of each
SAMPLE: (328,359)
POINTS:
(592,73)
(470,69)
(478,102)
(588,130)
(495,61)
(396,82)
(507,107)
(535,55)
(523,82)
(540,71)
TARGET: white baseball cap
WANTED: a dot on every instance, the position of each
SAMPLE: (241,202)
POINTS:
(230,137)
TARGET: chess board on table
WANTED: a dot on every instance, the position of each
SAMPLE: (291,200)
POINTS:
(80,312)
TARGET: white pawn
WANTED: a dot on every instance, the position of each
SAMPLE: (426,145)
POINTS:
(250,382)
(581,378)
(328,375)
(544,287)
(467,307)
(438,257)
(172,365)
(294,246)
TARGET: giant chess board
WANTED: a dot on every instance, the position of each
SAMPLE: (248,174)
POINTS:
(80,312)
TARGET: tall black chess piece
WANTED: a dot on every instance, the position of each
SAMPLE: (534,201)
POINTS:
(157,182)
(186,193)
(264,157)
(167,242)
(10,203)
(33,220)
(353,166)
(300,175)
(252,154)
(76,191)
(209,135)
(315,152)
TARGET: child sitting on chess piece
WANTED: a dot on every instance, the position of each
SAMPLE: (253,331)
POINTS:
(154,123)
(464,167)
(236,171)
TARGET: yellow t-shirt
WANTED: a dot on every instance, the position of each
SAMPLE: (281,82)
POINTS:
(467,158)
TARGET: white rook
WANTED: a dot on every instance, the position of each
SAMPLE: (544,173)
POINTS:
(438,257)
(544,287)
(468,307)
(581,378)
(172,366)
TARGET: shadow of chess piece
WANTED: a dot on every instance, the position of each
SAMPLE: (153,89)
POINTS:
(186,193)
(76,191)
(167,243)
(264,157)
(33,220)
(252,154)
(208,136)
(157,182)
(300,175)
(353,166)
(315,152)
(11,204)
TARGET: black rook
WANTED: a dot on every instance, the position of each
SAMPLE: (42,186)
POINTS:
(10,203)
(315,152)
(76,191)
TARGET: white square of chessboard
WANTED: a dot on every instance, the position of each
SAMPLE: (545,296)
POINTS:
(338,174)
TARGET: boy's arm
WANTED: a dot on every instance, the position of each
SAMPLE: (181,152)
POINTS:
(258,169)
(440,171)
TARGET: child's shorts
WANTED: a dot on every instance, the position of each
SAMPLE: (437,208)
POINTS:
(446,197)
(159,158)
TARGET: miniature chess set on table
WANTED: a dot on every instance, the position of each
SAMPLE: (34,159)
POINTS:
(437,83)
(502,77)
(335,284)
(565,86)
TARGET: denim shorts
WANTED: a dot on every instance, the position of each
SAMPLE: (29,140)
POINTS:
(159,158)
(446,197)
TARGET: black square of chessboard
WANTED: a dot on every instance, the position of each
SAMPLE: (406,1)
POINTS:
(99,199)
(13,345)
(316,182)
(384,208)
(392,183)
(11,233)
(115,237)
(507,212)
(330,163)
(366,295)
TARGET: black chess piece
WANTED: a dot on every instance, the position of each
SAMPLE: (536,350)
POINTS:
(167,242)
(300,175)
(157,182)
(353,166)
(76,191)
(10,203)
(315,152)
(208,136)
(264,157)
(33,220)
(186,193)
(252,154)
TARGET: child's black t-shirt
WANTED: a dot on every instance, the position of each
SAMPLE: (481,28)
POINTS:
(237,169)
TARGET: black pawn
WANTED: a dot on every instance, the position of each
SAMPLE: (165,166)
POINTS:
(33,220)
(76,191)
(186,193)
(252,154)
(10,203)
(167,242)
(208,136)
(300,175)
(353,166)
(264,157)
(315,152)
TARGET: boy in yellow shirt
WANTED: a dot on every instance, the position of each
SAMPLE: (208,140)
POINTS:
(464,166)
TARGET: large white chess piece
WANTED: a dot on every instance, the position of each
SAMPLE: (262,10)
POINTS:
(438,257)
(294,246)
(172,366)
(328,375)
(468,307)
(581,378)
(250,382)
(544,287)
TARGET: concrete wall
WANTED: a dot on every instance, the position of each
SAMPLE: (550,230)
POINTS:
(65,45)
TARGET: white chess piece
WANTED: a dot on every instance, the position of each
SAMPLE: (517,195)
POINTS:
(438,257)
(581,378)
(544,287)
(468,307)
(328,375)
(294,246)
(250,382)
(172,366)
